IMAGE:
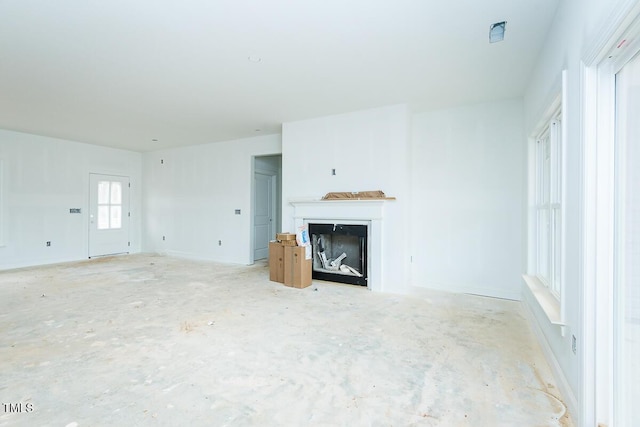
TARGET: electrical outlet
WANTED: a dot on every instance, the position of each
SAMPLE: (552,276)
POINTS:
(238,211)
(163,238)
(333,171)
(574,344)
(48,243)
(219,242)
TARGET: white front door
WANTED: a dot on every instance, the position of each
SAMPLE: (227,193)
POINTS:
(263,214)
(108,215)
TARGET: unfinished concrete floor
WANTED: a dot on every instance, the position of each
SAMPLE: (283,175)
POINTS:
(153,340)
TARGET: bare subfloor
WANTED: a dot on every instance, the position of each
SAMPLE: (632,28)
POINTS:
(152,340)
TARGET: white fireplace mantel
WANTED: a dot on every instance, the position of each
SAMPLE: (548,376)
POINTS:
(349,211)
(354,209)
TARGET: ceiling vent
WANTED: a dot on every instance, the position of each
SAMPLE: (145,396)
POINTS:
(496,32)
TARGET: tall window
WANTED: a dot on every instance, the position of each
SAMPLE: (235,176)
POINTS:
(548,206)
(1,205)
(109,205)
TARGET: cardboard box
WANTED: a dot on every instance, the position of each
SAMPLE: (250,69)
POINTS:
(276,262)
(297,269)
(289,243)
(286,236)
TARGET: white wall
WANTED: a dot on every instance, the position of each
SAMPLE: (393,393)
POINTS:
(466,211)
(575,32)
(191,195)
(457,175)
(42,179)
(370,151)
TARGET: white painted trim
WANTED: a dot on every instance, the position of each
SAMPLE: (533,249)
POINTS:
(530,212)
(587,271)
(605,57)
(350,211)
(277,199)
(339,209)
(273,177)
(612,29)
(563,194)
(460,288)
(194,256)
(552,306)
(252,191)
(561,380)
(623,414)
(547,301)
(91,233)
(554,110)
(598,239)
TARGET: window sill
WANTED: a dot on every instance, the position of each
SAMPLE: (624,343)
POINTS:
(549,303)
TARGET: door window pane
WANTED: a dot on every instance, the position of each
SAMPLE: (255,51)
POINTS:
(116,216)
(116,193)
(103,192)
(103,217)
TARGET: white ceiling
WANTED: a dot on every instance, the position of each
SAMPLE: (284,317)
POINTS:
(123,72)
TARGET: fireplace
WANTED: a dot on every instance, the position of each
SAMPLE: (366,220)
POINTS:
(339,252)
(369,213)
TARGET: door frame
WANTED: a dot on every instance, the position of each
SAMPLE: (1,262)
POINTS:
(126,217)
(277,203)
(598,223)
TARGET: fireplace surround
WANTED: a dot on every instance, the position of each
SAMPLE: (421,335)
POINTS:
(350,212)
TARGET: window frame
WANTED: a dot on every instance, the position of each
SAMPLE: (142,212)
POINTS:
(600,257)
(620,291)
(551,301)
(2,195)
(548,170)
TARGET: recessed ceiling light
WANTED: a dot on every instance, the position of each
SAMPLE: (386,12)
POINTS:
(496,31)
(254,58)
(154,140)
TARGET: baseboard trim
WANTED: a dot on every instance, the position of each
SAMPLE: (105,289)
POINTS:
(197,257)
(471,290)
(558,374)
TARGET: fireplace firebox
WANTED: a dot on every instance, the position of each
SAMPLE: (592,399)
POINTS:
(339,252)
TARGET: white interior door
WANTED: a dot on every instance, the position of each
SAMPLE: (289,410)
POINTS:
(263,214)
(108,215)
